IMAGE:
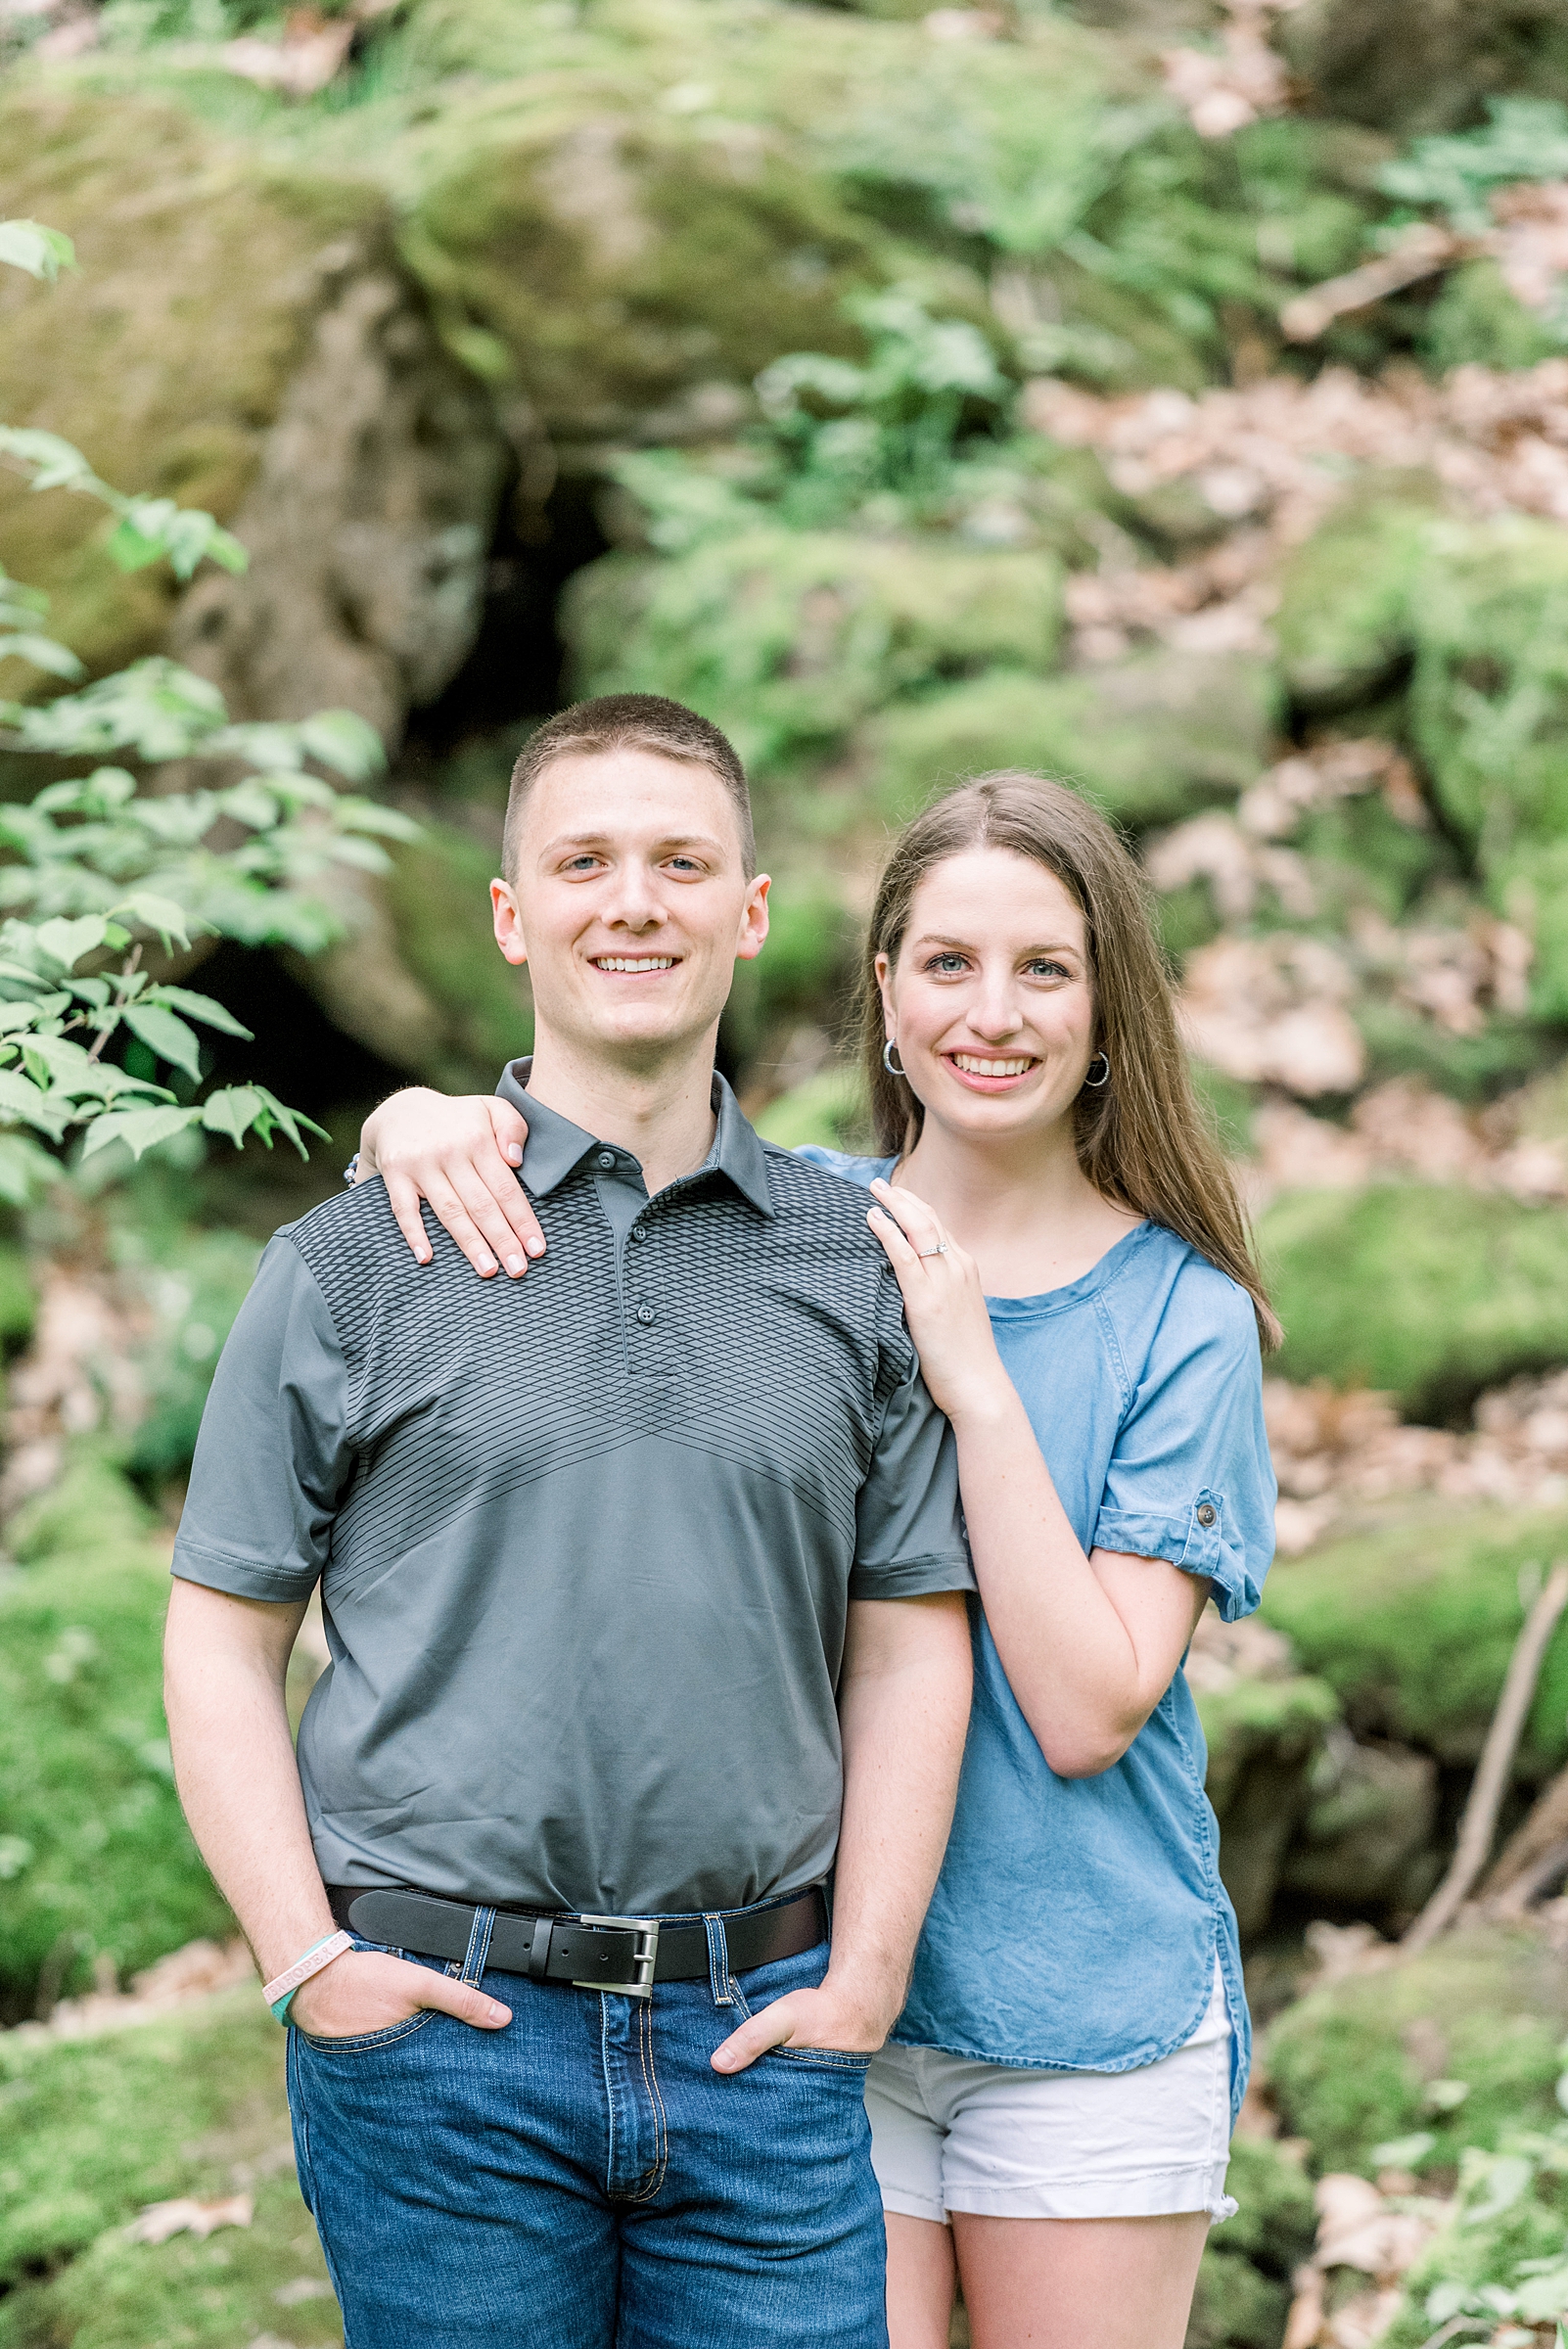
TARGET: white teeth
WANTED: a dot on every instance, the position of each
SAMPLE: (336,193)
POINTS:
(626,962)
(972,1067)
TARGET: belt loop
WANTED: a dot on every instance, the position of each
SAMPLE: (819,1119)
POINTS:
(479,1944)
(718,1958)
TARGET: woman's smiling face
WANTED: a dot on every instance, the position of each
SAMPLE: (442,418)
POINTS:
(991,999)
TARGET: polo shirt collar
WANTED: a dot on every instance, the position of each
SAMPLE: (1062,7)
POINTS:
(555,1147)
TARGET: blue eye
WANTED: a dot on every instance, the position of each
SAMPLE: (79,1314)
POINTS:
(949,965)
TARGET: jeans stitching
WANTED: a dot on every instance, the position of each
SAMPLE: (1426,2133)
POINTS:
(364,2040)
(655,2176)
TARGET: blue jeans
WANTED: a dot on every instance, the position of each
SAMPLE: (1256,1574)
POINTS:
(585,2180)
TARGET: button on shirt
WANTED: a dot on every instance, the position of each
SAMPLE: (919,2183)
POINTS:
(1076,1922)
(586,1542)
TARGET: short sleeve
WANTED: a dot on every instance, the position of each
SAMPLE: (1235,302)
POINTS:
(272,1457)
(909,1535)
(1190,1478)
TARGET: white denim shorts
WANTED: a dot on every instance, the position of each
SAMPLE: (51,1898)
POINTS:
(948,2134)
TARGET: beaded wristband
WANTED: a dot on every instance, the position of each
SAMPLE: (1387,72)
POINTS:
(280,1992)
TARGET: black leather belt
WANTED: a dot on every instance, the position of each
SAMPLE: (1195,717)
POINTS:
(624,1954)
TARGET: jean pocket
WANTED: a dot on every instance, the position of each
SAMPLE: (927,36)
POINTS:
(364,2043)
(824,2060)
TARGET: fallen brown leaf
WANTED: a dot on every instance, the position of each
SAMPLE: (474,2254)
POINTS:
(184,2216)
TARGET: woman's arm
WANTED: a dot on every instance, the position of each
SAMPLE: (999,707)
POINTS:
(1089,1643)
(462,1155)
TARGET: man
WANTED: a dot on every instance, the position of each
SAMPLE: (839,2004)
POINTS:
(643,1583)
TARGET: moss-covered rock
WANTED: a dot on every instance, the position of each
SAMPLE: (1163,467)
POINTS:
(1344,618)
(1413,1625)
(1365,1842)
(167,357)
(95,1856)
(614,258)
(1350,2064)
(96,2129)
(1430,1292)
(1263,1735)
(1149,739)
(788,639)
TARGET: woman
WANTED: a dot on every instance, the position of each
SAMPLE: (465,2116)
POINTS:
(1051,2117)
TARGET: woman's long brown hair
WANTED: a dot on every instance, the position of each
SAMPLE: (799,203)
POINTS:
(1144,1141)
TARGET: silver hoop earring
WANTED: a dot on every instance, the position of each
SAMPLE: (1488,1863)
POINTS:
(1104,1076)
(888,1051)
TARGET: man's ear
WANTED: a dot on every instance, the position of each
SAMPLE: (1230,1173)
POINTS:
(754,920)
(508,922)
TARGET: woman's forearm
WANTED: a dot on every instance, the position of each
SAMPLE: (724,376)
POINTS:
(1070,1658)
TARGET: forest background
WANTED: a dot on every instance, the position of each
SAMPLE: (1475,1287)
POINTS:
(1168,395)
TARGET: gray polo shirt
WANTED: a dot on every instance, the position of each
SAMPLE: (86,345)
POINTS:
(586,1542)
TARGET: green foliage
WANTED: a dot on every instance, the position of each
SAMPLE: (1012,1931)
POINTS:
(787,638)
(1522,139)
(96,2129)
(1149,739)
(1476,321)
(438,898)
(1411,1627)
(194,1283)
(1351,2064)
(828,1109)
(97,1857)
(1429,1292)
(849,432)
(41,251)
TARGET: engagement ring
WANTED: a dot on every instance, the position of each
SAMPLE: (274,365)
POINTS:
(941,1249)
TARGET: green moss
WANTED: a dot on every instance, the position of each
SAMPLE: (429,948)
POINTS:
(1244,2282)
(1345,617)
(1413,1625)
(1489,705)
(1532,2227)
(1475,321)
(165,358)
(1149,739)
(616,259)
(96,2129)
(1429,1292)
(787,639)
(1349,2063)
(98,1859)
(438,897)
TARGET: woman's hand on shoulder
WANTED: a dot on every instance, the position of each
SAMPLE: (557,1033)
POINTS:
(462,1156)
(944,1304)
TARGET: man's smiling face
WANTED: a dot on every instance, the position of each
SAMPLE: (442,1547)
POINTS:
(630,904)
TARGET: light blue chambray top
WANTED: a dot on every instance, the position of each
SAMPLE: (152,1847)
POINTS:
(1076,1921)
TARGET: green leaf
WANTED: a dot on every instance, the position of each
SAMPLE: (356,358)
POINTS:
(169,1037)
(66,943)
(287,1120)
(153,912)
(1405,2152)
(43,652)
(341,740)
(367,816)
(151,527)
(233,1111)
(41,251)
(200,1007)
(50,1113)
(138,1129)
(53,464)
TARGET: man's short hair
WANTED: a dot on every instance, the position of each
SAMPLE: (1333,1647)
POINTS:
(628,721)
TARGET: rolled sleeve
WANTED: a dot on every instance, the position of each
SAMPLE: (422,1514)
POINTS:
(273,1455)
(1190,1478)
(909,1537)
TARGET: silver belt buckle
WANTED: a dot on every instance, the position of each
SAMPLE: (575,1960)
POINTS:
(646,1929)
